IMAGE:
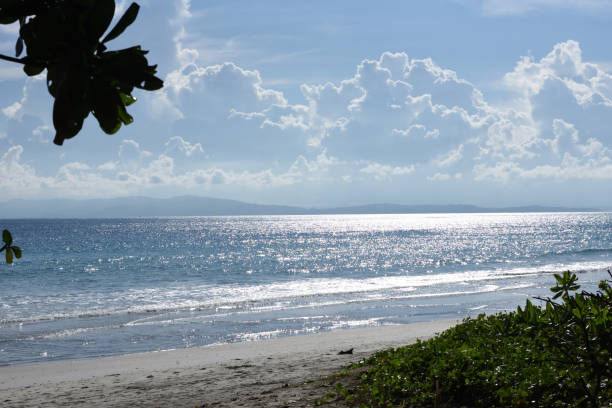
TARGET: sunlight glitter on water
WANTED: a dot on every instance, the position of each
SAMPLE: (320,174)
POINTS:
(142,284)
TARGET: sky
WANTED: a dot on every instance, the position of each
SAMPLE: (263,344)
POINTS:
(329,103)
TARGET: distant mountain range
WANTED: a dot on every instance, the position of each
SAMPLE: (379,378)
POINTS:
(205,206)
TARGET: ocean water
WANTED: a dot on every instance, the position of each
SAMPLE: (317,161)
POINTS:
(100,287)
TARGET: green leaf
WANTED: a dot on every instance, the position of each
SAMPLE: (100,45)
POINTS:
(9,256)
(17,251)
(125,117)
(6,237)
(127,99)
(128,18)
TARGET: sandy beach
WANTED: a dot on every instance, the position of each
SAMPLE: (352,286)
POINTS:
(284,372)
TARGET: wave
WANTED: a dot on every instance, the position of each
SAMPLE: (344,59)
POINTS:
(584,251)
(217,300)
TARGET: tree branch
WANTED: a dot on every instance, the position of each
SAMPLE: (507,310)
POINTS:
(13,59)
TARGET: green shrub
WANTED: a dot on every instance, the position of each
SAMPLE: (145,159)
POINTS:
(558,355)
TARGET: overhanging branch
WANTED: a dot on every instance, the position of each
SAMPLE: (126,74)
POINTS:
(13,59)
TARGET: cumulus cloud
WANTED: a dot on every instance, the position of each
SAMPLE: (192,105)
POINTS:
(394,115)
(227,111)
(564,96)
(586,81)
(396,109)
(222,84)
(136,171)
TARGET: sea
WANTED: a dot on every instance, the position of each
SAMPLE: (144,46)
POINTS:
(87,288)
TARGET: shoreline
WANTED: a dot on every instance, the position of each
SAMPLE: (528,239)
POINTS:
(250,374)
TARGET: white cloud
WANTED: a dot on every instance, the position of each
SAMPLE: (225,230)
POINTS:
(570,168)
(130,153)
(417,130)
(138,173)
(450,157)
(19,179)
(108,166)
(35,102)
(445,177)
(396,110)
(512,136)
(393,116)
(178,143)
(228,85)
(585,81)
(566,136)
(13,111)
(563,96)
(311,170)
(384,172)
(593,148)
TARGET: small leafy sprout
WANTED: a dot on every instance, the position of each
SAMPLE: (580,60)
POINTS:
(566,283)
(11,250)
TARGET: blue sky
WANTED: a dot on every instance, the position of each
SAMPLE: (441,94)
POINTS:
(322,103)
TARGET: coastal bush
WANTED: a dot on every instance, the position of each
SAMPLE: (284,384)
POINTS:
(555,355)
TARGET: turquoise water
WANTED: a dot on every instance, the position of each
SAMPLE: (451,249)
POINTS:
(90,288)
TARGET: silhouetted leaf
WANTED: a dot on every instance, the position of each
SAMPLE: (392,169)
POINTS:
(10,11)
(128,18)
(101,15)
(62,36)
(32,70)
(65,123)
(19,46)
(9,256)
(151,83)
(6,17)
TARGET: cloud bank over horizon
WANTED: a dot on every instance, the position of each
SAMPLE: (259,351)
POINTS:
(400,129)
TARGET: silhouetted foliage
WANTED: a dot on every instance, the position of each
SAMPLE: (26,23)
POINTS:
(64,37)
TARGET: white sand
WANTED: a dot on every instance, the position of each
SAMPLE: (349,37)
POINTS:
(268,373)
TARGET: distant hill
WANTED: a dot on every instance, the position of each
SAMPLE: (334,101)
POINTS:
(205,206)
(450,208)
